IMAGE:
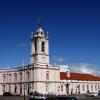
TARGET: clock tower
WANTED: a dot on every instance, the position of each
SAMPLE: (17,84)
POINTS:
(40,47)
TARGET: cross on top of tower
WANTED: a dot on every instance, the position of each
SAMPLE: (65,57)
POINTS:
(39,23)
(40,32)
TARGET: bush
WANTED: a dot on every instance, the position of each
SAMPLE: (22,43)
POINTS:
(7,94)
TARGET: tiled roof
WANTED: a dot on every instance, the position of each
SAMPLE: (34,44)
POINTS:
(78,76)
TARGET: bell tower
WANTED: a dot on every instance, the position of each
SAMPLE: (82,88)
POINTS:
(39,47)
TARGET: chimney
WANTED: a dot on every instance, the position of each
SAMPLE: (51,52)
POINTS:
(68,73)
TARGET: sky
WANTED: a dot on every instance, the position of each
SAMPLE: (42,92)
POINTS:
(73,27)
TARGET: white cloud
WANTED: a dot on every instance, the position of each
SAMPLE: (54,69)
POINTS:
(64,66)
(60,59)
(57,59)
(85,68)
(6,67)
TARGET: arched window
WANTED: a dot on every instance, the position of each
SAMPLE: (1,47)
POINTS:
(78,87)
(87,88)
(83,87)
(91,87)
(61,88)
(28,75)
(47,75)
(47,88)
(67,88)
(4,77)
(20,74)
(20,88)
(98,87)
(95,87)
(43,47)
(15,88)
(10,88)
(3,88)
(10,78)
(35,45)
(15,77)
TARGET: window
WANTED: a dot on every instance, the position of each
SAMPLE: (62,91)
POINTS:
(4,77)
(87,88)
(78,87)
(9,88)
(95,87)
(15,77)
(15,88)
(62,88)
(35,45)
(67,88)
(83,88)
(43,47)
(20,89)
(3,88)
(47,75)
(28,75)
(10,77)
(47,88)
(20,76)
(91,87)
(98,87)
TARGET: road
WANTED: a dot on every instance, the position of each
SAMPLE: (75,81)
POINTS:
(13,98)
(27,98)
(88,98)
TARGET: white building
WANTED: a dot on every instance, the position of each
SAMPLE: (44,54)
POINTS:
(42,77)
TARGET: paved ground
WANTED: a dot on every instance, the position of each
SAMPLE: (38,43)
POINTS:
(87,98)
(13,98)
(27,98)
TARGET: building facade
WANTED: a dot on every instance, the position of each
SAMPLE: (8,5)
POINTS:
(40,76)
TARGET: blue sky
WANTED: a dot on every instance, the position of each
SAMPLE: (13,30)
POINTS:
(73,26)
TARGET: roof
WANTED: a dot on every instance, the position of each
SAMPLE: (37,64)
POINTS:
(79,76)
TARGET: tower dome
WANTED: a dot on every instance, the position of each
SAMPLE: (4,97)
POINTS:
(40,32)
